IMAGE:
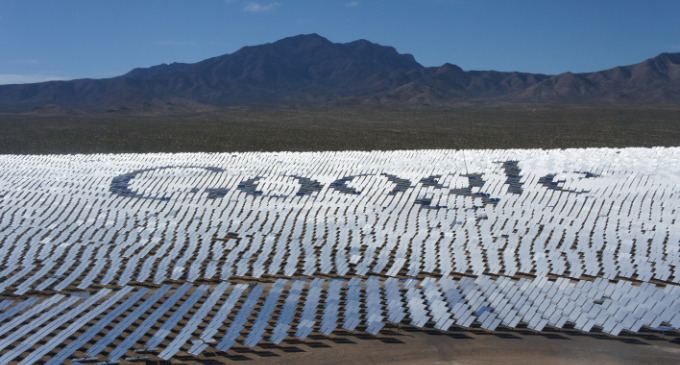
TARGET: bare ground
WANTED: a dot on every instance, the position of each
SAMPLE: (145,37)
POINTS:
(497,127)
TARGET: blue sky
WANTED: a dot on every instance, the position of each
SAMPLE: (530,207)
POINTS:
(67,39)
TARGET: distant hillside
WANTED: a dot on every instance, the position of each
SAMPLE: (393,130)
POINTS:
(310,70)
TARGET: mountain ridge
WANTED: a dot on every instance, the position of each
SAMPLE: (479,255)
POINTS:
(311,70)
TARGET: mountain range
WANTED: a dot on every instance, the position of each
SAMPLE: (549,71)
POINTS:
(311,70)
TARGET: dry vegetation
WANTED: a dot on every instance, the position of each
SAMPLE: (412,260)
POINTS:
(276,129)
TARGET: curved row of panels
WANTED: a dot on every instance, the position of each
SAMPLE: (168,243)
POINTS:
(119,324)
(416,219)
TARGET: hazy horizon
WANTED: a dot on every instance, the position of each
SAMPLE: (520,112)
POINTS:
(72,39)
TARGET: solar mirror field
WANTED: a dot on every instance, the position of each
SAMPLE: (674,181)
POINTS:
(146,257)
